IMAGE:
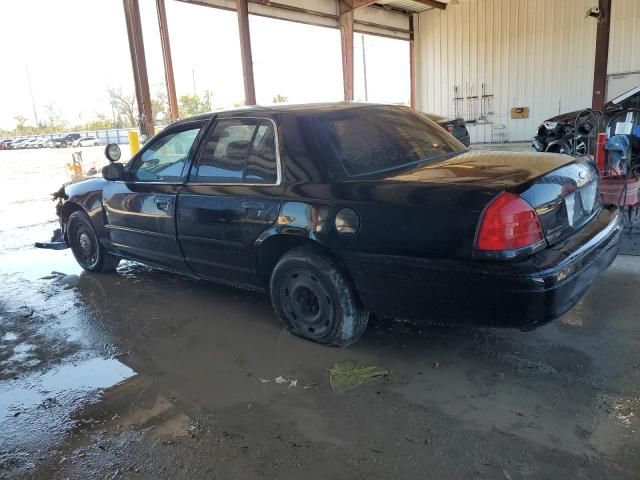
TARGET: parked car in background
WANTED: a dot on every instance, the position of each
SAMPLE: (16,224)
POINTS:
(16,143)
(59,142)
(5,144)
(70,138)
(343,209)
(41,143)
(557,133)
(88,142)
(456,127)
(31,143)
(26,143)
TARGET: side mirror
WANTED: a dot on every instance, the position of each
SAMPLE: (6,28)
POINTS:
(113,172)
(112,152)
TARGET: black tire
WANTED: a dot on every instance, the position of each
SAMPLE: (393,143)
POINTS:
(89,253)
(315,299)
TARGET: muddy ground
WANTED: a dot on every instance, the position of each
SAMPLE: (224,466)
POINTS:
(144,374)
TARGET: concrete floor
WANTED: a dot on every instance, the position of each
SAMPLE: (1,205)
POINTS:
(144,374)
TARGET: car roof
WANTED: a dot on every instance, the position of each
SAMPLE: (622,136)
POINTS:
(310,108)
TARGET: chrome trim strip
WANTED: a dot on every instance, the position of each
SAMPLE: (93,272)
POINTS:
(110,226)
(226,243)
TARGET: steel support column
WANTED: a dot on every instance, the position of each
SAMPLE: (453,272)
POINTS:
(346,40)
(602,56)
(168,63)
(412,64)
(245,51)
(139,66)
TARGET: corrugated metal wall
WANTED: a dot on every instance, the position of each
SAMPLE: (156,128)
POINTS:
(624,40)
(528,53)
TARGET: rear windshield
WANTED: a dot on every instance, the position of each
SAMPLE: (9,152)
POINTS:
(375,139)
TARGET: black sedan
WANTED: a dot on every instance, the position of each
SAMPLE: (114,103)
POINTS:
(338,210)
(456,127)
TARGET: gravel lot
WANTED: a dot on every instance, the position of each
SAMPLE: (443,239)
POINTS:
(145,374)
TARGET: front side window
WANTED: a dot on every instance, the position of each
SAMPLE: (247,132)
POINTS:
(375,139)
(239,151)
(166,158)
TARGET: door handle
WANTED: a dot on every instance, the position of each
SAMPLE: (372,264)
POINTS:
(163,203)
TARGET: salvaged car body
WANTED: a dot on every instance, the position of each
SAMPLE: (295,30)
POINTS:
(558,133)
(338,210)
(456,127)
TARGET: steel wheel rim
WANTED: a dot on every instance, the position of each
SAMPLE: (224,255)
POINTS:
(85,245)
(307,303)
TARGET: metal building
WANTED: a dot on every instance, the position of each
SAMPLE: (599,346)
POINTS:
(482,58)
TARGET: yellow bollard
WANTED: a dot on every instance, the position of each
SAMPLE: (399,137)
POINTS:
(134,142)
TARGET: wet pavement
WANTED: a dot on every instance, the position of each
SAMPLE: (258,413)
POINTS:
(145,374)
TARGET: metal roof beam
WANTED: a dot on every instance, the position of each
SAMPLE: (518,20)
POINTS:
(353,4)
(432,3)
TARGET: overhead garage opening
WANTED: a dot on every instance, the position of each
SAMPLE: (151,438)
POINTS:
(293,62)
(382,69)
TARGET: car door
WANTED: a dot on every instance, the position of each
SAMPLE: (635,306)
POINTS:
(232,196)
(140,211)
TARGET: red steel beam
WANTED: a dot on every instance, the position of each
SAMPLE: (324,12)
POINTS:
(139,66)
(602,56)
(412,64)
(245,51)
(345,20)
(174,114)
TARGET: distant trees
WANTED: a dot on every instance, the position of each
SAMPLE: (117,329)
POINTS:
(124,113)
(189,105)
(280,99)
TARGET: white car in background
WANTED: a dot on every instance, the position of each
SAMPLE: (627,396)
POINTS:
(32,143)
(41,143)
(87,142)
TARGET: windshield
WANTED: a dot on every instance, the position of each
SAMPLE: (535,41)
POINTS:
(377,138)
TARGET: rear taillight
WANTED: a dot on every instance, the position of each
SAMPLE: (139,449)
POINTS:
(449,128)
(508,223)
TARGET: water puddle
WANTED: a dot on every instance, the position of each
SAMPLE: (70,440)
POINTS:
(81,378)
(37,410)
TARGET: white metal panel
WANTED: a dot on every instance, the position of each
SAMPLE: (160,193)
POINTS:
(381,16)
(324,13)
(624,40)
(528,53)
(327,18)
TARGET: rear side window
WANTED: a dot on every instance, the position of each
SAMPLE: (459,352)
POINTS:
(239,151)
(375,139)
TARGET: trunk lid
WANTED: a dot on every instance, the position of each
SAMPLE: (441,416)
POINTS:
(562,189)
(565,199)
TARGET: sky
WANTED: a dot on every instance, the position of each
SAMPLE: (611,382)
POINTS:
(74,50)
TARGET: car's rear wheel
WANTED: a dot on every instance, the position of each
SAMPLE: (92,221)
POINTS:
(89,253)
(315,299)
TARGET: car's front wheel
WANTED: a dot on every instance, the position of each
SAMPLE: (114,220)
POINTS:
(315,300)
(89,253)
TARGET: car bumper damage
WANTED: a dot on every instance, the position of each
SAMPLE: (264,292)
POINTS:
(523,294)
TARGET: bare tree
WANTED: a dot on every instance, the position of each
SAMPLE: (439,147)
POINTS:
(124,105)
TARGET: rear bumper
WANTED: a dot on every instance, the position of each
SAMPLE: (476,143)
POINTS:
(522,294)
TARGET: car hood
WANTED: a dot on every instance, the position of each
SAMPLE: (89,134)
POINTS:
(499,170)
